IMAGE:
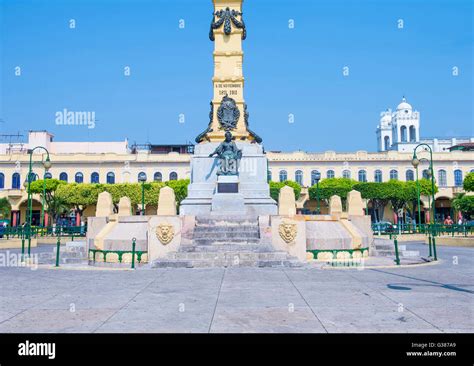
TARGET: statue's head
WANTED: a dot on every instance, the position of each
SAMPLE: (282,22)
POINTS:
(228,136)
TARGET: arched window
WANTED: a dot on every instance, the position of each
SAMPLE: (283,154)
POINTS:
(173,176)
(386,143)
(95,177)
(157,177)
(362,176)
(283,175)
(394,174)
(32,177)
(142,177)
(412,134)
(403,134)
(426,174)
(2,181)
(16,181)
(330,174)
(79,178)
(458,178)
(346,174)
(269,175)
(110,178)
(315,176)
(442,181)
(378,176)
(63,176)
(299,177)
(48,175)
(409,175)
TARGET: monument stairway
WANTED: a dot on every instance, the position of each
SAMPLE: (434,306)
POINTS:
(386,248)
(74,252)
(226,242)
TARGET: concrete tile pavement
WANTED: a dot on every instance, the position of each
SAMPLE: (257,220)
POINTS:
(434,298)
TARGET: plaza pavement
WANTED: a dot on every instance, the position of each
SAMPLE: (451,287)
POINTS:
(430,298)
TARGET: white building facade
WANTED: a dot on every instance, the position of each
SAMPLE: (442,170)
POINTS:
(399,130)
(116,162)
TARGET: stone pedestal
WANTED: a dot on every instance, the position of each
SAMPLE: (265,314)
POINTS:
(227,199)
(252,181)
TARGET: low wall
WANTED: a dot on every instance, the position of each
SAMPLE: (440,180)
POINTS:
(16,243)
(458,241)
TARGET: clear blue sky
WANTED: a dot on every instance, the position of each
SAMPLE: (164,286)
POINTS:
(297,71)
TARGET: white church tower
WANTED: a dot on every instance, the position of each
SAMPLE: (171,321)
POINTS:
(399,130)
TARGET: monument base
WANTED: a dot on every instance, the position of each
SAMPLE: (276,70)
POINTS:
(227,199)
(252,182)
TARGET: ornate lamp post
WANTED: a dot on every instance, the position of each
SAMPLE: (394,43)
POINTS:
(415,162)
(47,166)
(142,180)
(25,184)
(317,178)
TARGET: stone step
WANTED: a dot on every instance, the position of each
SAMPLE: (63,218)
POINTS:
(226,229)
(225,263)
(384,253)
(226,247)
(217,241)
(384,246)
(212,221)
(227,235)
(410,253)
(235,256)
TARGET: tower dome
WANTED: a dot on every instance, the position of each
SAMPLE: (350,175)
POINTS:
(404,105)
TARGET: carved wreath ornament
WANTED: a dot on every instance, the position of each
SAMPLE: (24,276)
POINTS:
(227,17)
(165,233)
(288,231)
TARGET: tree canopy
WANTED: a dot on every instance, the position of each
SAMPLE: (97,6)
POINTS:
(468,183)
(332,186)
(276,186)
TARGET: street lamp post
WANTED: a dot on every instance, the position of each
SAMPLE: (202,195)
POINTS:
(47,166)
(142,180)
(317,177)
(415,162)
(25,184)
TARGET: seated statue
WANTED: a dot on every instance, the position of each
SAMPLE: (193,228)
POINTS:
(229,156)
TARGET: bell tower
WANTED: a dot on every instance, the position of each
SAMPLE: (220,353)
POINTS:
(228,108)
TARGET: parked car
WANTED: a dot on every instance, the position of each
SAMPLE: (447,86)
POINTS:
(383,226)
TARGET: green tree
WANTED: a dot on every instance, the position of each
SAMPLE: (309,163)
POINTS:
(379,194)
(5,208)
(332,186)
(276,186)
(50,188)
(400,194)
(468,183)
(180,188)
(83,195)
(51,185)
(79,195)
(56,207)
(464,204)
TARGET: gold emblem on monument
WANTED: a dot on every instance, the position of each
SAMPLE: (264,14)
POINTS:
(165,233)
(288,231)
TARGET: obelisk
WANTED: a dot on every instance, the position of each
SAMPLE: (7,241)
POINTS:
(228,108)
(235,182)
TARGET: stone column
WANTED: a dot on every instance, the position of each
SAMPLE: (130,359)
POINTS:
(14,218)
